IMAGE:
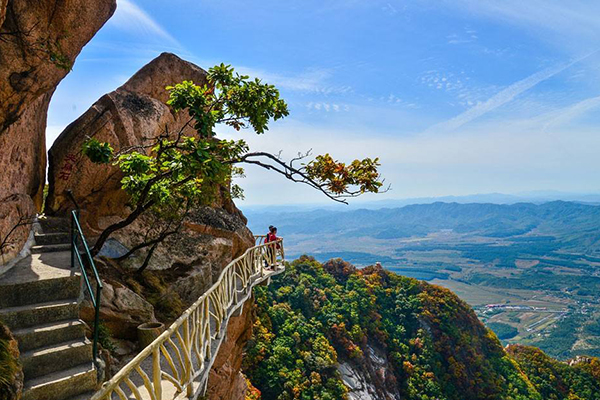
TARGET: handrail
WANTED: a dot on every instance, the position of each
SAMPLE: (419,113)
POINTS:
(77,234)
(189,346)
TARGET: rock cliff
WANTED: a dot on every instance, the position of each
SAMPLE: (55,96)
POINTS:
(226,380)
(40,40)
(128,116)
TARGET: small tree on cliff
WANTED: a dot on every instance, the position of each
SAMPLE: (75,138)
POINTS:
(177,171)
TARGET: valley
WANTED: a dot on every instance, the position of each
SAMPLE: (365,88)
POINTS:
(531,272)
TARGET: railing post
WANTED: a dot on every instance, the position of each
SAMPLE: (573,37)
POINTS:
(194,329)
(96,322)
(157,374)
(73,244)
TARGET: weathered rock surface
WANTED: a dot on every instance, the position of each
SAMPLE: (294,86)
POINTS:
(225,381)
(121,310)
(13,390)
(372,379)
(40,40)
(3,4)
(23,165)
(128,116)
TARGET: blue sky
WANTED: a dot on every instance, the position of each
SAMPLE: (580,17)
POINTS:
(456,97)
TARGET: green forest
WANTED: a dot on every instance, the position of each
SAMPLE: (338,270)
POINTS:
(315,316)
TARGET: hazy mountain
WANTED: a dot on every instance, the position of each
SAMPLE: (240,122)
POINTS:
(574,224)
(535,196)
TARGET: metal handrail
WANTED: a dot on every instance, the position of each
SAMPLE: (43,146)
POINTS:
(190,345)
(76,235)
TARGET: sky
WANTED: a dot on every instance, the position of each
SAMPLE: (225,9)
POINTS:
(455,97)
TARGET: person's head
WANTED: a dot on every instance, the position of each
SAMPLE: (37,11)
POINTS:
(272,229)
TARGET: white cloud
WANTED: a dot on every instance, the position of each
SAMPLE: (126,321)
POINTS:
(485,158)
(390,9)
(131,18)
(504,96)
(327,107)
(313,81)
(566,115)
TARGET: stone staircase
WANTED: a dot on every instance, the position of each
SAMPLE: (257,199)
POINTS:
(39,303)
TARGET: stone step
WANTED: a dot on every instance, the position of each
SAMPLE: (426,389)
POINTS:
(48,224)
(39,314)
(56,357)
(42,291)
(49,334)
(52,238)
(61,385)
(39,278)
(50,248)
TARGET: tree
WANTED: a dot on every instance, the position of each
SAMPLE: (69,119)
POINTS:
(176,171)
(8,241)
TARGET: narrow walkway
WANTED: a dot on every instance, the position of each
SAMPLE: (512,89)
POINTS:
(38,302)
(177,364)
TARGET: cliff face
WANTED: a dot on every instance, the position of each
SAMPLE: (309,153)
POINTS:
(226,380)
(40,41)
(333,332)
(130,116)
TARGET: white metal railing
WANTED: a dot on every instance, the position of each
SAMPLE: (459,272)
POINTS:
(176,364)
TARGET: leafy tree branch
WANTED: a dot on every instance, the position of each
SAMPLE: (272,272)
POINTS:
(177,170)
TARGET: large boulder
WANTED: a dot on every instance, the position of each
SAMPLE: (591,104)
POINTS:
(226,380)
(128,116)
(121,310)
(40,41)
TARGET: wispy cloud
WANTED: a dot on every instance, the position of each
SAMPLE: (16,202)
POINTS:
(469,36)
(571,112)
(389,8)
(314,81)
(564,19)
(132,18)
(327,107)
(504,96)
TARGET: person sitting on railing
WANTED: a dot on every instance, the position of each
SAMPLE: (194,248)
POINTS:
(272,237)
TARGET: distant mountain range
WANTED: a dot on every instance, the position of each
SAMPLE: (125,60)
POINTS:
(575,225)
(535,197)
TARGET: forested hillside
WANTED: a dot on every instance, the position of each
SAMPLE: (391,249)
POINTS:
(321,328)
(530,271)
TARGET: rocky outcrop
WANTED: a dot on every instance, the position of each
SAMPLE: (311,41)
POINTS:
(40,41)
(11,372)
(129,116)
(372,379)
(226,381)
(23,163)
(121,310)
